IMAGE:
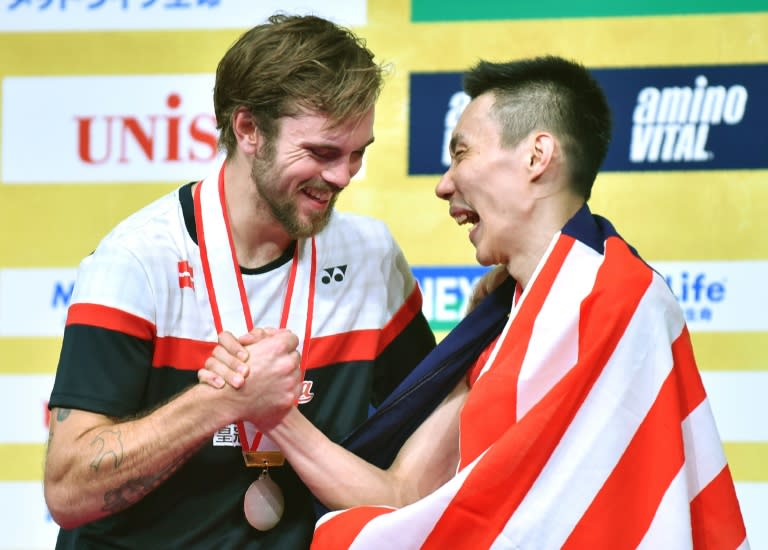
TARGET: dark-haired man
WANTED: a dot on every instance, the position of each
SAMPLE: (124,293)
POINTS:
(584,422)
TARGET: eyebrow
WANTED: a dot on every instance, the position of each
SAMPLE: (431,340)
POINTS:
(337,148)
(370,141)
(455,138)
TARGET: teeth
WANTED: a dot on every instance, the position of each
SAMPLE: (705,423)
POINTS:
(317,195)
(463,216)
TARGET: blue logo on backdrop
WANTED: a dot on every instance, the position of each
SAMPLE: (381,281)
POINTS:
(698,293)
(446,291)
(670,118)
(62,294)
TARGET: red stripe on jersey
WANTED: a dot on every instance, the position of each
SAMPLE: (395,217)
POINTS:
(400,320)
(110,318)
(188,354)
(181,353)
(715,515)
(330,535)
(356,345)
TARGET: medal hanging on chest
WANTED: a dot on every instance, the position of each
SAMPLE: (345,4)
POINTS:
(263,503)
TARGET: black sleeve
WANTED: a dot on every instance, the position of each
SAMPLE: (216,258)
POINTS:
(101,371)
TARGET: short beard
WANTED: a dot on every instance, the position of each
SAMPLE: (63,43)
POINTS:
(282,208)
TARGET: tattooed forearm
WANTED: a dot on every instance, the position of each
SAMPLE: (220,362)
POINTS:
(135,489)
(60,416)
(107,443)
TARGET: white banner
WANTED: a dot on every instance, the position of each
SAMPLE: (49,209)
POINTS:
(25,523)
(736,398)
(24,407)
(738,404)
(723,296)
(720,296)
(113,15)
(105,129)
(34,302)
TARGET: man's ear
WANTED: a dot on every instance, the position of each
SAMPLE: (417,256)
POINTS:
(542,148)
(246,131)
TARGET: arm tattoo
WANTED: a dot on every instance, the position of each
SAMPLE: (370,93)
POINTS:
(61,416)
(135,489)
(108,443)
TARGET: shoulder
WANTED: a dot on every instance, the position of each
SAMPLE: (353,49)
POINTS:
(137,246)
(153,222)
(632,280)
(366,231)
(358,223)
(152,234)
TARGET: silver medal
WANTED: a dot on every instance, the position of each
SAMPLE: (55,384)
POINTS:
(264,503)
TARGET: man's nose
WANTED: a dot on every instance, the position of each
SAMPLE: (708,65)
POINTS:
(338,172)
(444,188)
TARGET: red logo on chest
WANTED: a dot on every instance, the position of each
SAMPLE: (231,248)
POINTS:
(186,278)
(306,392)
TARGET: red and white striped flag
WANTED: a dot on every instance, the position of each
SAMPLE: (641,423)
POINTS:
(589,426)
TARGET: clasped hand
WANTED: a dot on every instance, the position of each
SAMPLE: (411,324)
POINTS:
(260,374)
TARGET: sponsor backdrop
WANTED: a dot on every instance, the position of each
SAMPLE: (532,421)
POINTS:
(106,105)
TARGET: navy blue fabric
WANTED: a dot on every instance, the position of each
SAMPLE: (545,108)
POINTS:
(592,230)
(380,437)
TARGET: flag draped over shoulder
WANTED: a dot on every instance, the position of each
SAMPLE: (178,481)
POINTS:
(588,427)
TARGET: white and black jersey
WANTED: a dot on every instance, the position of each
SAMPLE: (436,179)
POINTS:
(140,326)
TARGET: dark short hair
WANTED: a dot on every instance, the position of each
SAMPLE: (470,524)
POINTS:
(553,94)
(294,62)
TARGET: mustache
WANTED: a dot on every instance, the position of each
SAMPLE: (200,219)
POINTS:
(321,186)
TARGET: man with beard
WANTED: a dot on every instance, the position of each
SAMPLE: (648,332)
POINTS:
(139,455)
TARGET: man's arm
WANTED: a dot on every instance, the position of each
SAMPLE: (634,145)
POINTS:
(340,479)
(337,477)
(96,466)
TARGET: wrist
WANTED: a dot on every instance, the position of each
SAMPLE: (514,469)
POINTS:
(216,410)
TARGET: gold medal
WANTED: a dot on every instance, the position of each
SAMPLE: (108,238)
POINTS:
(263,503)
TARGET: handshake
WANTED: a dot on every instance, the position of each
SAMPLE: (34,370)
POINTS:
(259,374)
